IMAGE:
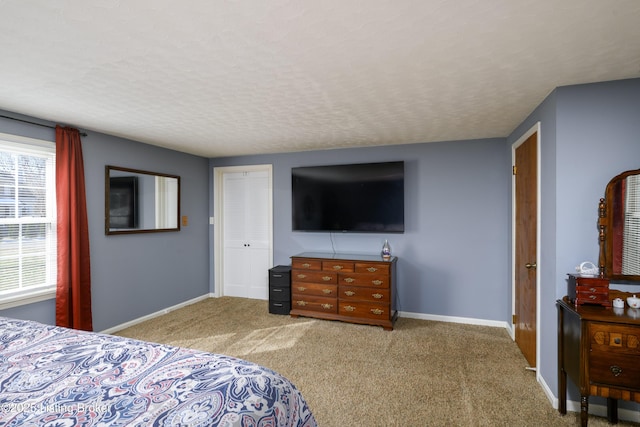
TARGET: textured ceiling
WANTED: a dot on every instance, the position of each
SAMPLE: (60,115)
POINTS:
(220,78)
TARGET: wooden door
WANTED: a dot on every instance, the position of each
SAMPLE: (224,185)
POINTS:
(525,268)
(246,234)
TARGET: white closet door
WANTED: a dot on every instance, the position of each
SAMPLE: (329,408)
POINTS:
(257,226)
(246,222)
(233,232)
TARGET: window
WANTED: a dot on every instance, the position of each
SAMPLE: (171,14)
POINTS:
(631,252)
(27,220)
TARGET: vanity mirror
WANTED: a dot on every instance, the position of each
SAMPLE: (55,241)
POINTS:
(138,201)
(619,228)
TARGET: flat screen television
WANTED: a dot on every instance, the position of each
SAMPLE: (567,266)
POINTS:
(363,197)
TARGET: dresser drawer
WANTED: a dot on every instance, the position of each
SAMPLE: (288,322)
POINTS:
(279,279)
(314,276)
(337,266)
(366,267)
(280,293)
(592,289)
(311,303)
(315,289)
(370,280)
(279,307)
(592,298)
(306,264)
(617,370)
(359,293)
(607,338)
(369,310)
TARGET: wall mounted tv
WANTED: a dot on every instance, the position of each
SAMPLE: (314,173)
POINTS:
(364,197)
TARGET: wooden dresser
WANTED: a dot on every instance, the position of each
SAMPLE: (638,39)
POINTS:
(347,287)
(599,350)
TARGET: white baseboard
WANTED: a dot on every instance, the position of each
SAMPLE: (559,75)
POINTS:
(601,411)
(547,391)
(156,314)
(453,319)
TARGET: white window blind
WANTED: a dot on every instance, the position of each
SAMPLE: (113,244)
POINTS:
(631,235)
(27,218)
(166,202)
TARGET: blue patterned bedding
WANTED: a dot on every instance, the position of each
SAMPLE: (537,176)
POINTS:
(52,376)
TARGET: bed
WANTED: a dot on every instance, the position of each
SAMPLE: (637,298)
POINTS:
(53,376)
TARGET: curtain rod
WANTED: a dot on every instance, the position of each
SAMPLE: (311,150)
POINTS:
(34,123)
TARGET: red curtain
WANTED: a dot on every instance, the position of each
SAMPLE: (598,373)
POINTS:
(73,294)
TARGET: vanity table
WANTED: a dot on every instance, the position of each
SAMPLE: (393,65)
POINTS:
(599,345)
(599,350)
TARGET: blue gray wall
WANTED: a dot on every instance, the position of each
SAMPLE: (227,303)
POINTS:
(453,255)
(134,275)
(590,133)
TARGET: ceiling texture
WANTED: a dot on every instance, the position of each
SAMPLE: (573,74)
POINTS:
(219,78)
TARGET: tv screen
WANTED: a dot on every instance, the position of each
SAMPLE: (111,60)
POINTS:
(364,197)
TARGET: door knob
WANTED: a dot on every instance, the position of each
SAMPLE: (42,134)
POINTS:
(531,265)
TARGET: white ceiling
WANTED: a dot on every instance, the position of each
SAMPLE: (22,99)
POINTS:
(219,78)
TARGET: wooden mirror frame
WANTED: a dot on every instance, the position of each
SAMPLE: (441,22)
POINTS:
(609,219)
(132,186)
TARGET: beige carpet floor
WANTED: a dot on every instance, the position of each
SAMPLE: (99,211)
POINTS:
(423,373)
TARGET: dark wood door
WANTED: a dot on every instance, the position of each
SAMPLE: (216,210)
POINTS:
(526,206)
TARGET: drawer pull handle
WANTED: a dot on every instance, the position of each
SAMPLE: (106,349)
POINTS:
(617,340)
(349,308)
(592,297)
(327,306)
(592,289)
(326,291)
(301,276)
(302,288)
(326,278)
(615,370)
(349,293)
(377,282)
(306,265)
(377,296)
(377,311)
(349,280)
(276,275)
(276,290)
(372,269)
(338,267)
(302,303)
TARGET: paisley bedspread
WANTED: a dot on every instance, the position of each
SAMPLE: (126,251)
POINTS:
(52,376)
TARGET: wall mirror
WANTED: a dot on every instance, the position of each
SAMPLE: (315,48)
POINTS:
(138,201)
(619,228)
